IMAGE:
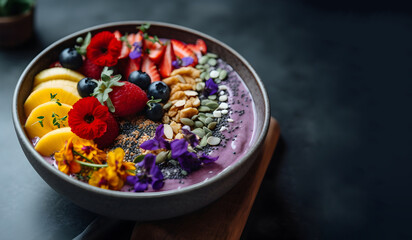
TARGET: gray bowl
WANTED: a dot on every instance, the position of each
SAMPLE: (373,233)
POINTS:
(148,205)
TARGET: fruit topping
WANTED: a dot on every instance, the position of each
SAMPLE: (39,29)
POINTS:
(90,69)
(86,86)
(181,51)
(153,47)
(122,98)
(140,79)
(199,48)
(154,110)
(110,135)
(54,140)
(70,58)
(158,90)
(165,67)
(57,73)
(149,67)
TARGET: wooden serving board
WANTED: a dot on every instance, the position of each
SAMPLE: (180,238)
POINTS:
(226,217)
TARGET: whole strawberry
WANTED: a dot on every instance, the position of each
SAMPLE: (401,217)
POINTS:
(128,99)
(122,98)
(110,135)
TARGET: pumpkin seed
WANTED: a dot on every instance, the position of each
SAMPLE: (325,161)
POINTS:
(212,105)
(203,142)
(200,86)
(203,75)
(212,62)
(208,135)
(212,125)
(194,117)
(202,118)
(212,97)
(167,105)
(207,130)
(208,120)
(187,121)
(217,80)
(199,132)
(205,101)
(214,73)
(161,157)
(204,109)
(203,59)
(213,140)
(199,124)
(211,55)
(202,114)
(200,66)
(199,147)
(222,87)
(223,74)
(168,131)
(183,172)
(209,115)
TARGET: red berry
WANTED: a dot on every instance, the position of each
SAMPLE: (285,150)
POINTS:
(91,70)
(110,135)
(128,99)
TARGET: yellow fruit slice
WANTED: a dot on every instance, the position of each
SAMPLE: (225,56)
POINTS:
(56,84)
(57,73)
(65,95)
(54,141)
(40,120)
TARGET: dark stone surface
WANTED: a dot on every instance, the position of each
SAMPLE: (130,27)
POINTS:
(338,74)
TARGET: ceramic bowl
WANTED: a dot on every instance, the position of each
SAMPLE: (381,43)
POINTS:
(147,205)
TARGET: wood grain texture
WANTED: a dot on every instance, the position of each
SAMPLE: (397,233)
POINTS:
(223,219)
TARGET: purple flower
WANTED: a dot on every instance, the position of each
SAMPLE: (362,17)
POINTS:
(190,137)
(210,88)
(189,161)
(179,147)
(207,159)
(157,142)
(149,174)
(137,51)
(186,61)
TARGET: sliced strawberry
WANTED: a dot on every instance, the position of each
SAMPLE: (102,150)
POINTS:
(165,67)
(149,67)
(125,48)
(128,65)
(55,64)
(181,50)
(199,48)
(155,49)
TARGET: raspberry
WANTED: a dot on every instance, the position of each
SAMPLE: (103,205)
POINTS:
(91,70)
(110,135)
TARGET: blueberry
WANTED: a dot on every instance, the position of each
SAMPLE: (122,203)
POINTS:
(70,58)
(86,86)
(140,79)
(158,90)
(154,111)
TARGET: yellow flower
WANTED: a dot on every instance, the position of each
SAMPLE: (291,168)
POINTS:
(106,178)
(114,176)
(65,159)
(88,149)
(123,168)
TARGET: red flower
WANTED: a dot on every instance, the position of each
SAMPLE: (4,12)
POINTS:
(104,49)
(88,118)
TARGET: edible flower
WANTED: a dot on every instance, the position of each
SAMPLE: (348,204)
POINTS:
(121,167)
(104,49)
(65,159)
(87,118)
(114,175)
(148,174)
(182,62)
(210,87)
(86,150)
(137,50)
(158,142)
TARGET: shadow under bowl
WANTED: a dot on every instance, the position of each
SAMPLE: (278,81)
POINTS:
(147,205)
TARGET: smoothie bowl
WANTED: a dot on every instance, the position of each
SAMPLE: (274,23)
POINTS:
(140,121)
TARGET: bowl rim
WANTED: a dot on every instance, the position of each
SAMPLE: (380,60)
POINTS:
(118,194)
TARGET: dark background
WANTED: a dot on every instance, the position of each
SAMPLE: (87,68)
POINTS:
(339,76)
